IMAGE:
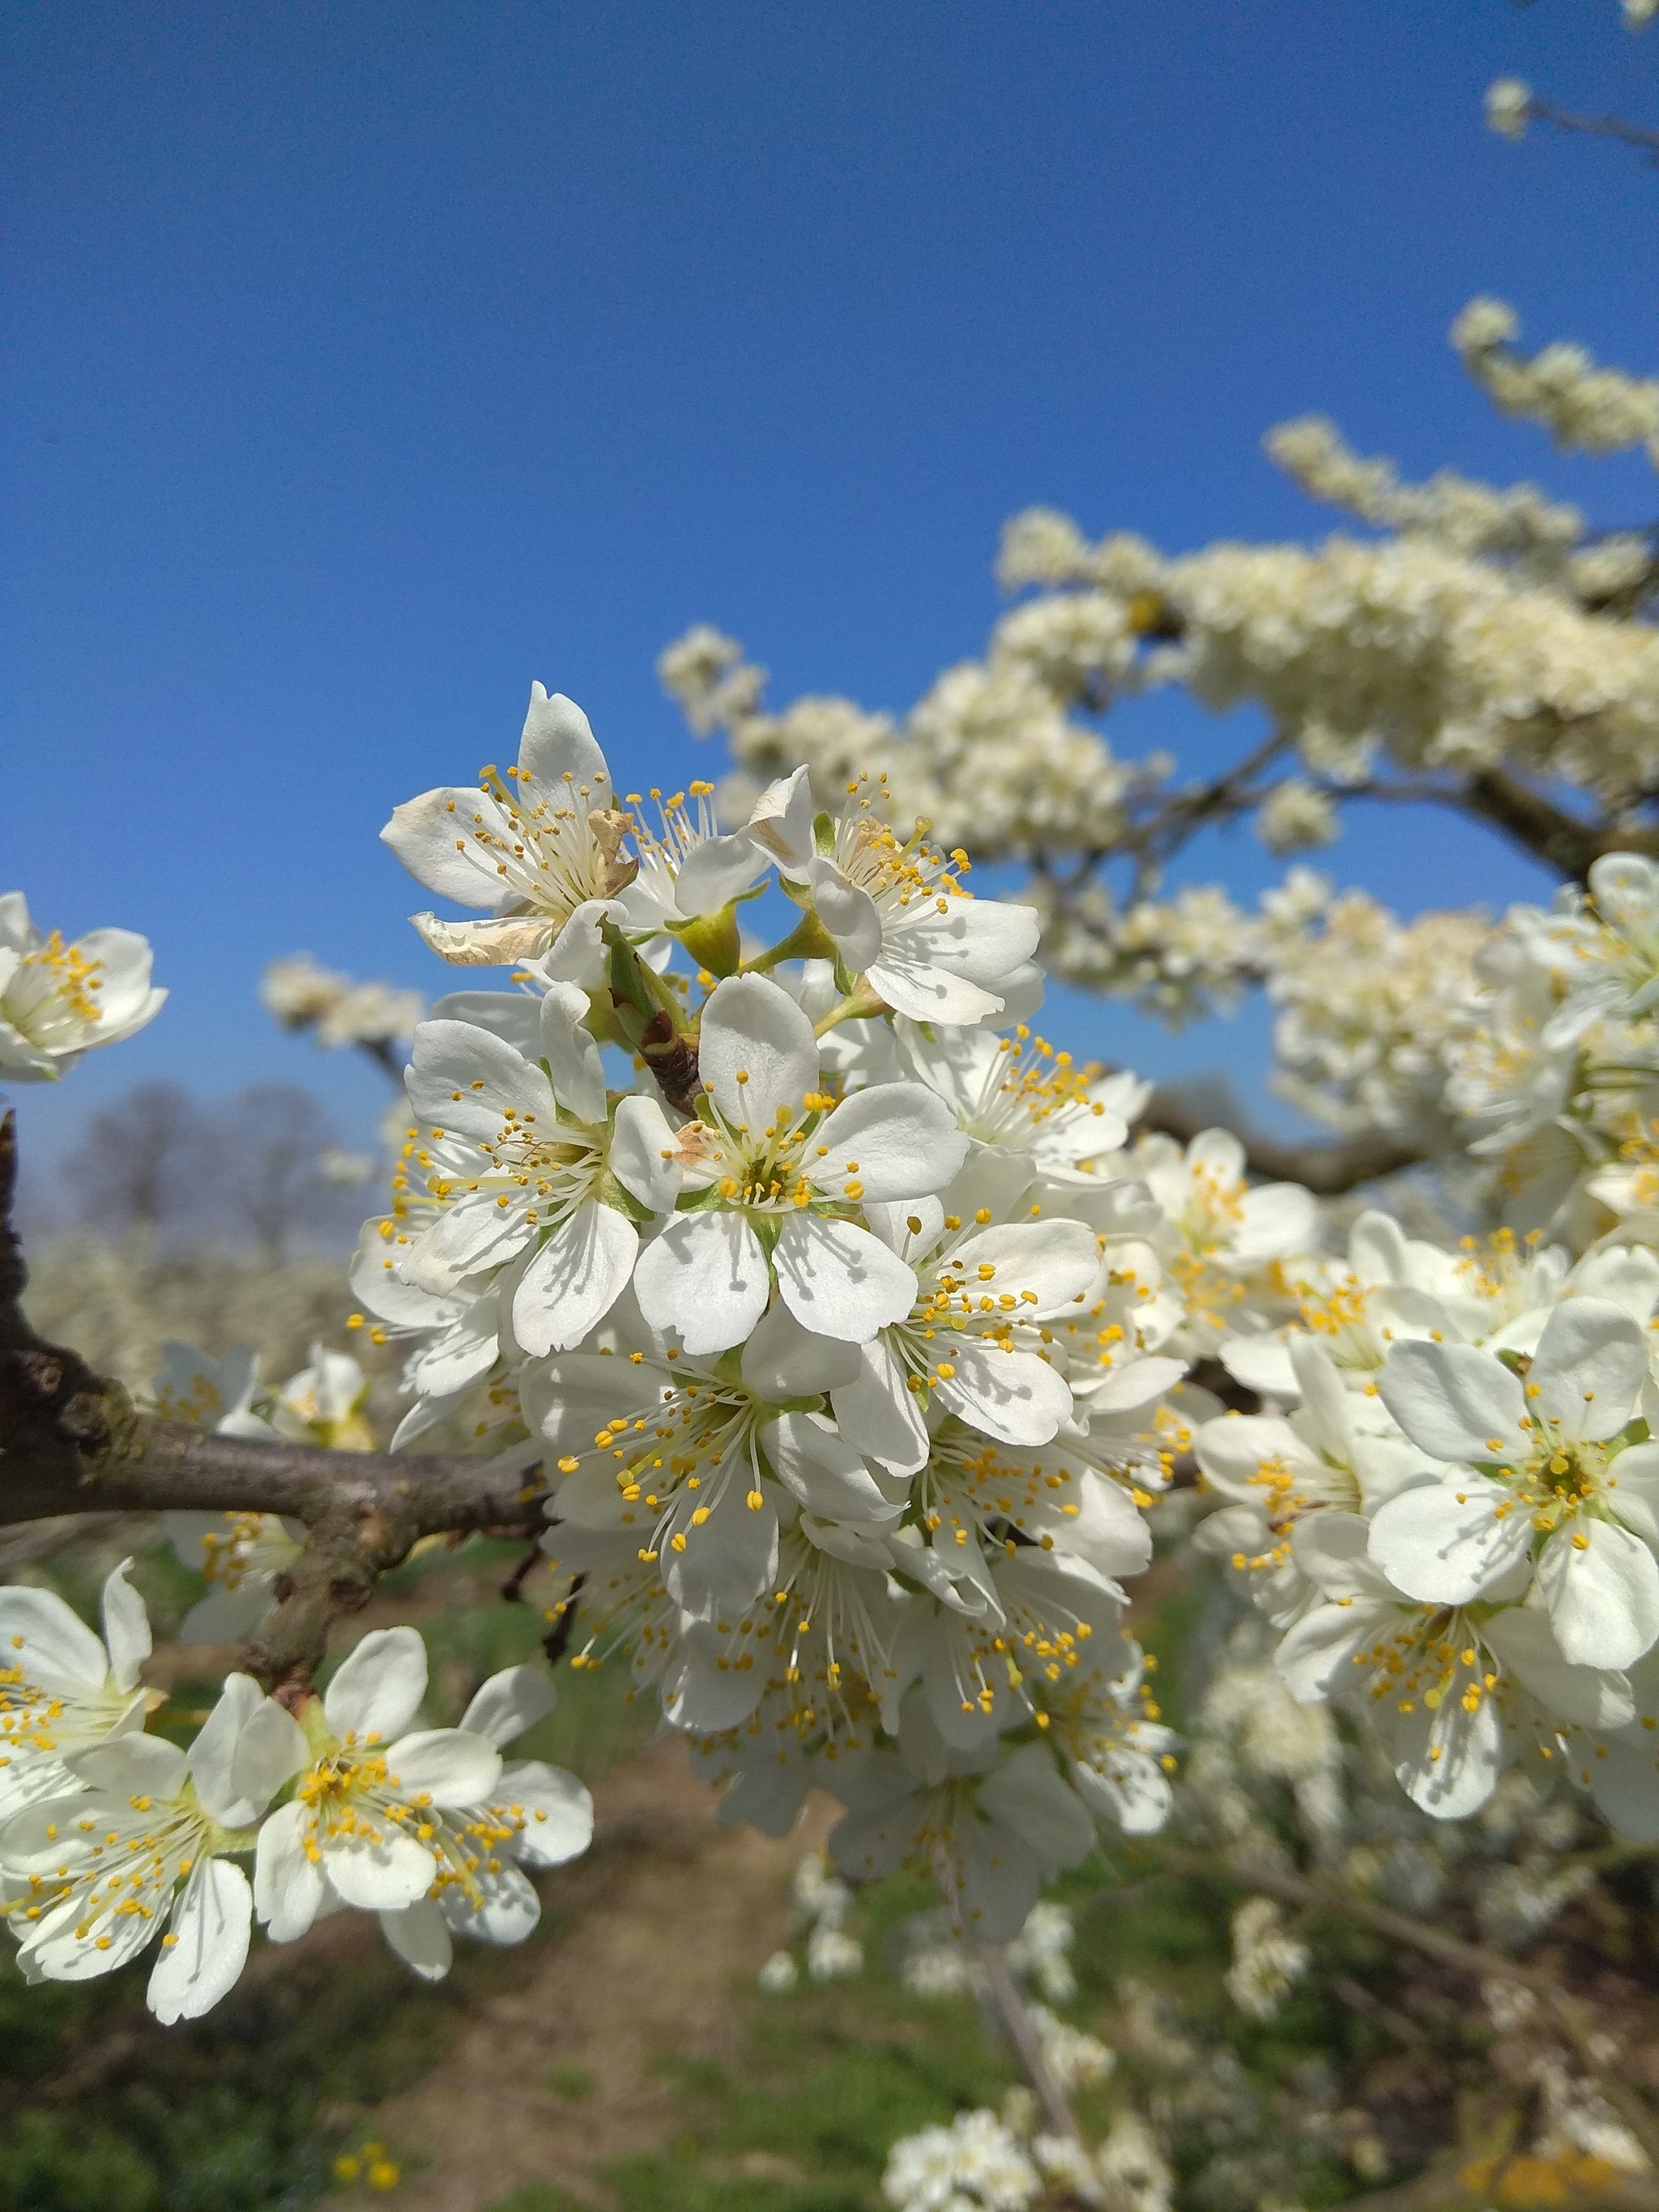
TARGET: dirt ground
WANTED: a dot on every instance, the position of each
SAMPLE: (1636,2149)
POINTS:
(673,1911)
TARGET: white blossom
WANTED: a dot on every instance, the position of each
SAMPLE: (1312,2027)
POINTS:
(57,1000)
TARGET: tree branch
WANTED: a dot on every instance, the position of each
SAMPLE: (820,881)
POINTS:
(1325,1170)
(72,1442)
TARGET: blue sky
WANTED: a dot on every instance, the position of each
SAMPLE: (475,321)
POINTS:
(366,361)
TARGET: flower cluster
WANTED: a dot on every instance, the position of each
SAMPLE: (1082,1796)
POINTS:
(839,1336)
(302,994)
(115,1840)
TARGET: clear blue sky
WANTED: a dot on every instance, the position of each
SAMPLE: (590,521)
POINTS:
(366,361)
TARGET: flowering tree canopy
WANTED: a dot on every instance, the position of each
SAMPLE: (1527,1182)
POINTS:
(835,1340)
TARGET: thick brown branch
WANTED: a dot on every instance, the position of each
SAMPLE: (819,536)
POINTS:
(1325,1170)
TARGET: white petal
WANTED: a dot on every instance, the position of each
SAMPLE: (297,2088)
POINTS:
(838,1280)
(1522,1639)
(126,1627)
(1449,1760)
(752,1029)
(572,1054)
(131,1765)
(1603,1599)
(728,1561)
(557,742)
(1012,1395)
(1027,1794)
(380,1685)
(470,1237)
(782,822)
(1232,1450)
(879,1414)
(508,1703)
(929,993)
(269,1750)
(577,954)
(897,1141)
(288,1883)
(1434,1548)
(465,1080)
(506,1912)
(639,1141)
(381,1876)
(419,1934)
(213,1754)
(448,1766)
(211,1922)
(1590,1367)
(1106,1530)
(1633,1490)
(423,833)
(1315,1656)
(705,1276)
(783,1360)
(574,1279)
(1625,1782)
(714,872)
(1455,1402)
(513,1016)
(1057,1260)
(52,1643)
(557,1810)
(822,1469)
(848,914)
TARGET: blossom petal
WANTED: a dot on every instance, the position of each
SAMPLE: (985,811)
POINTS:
(556,1809)
(213,1754)
(781,822)
(814,1461)
(714,872)
(572,1054)
(1590,1367)
(642,1149)
(557,742)
(705,1276)
(288,1882)
(50,1641)
(377,1690)
(894,1141)
(126,1627)
(506,1912)
(1602,1586)
(379,1874)
(1448,1542)
(508,1703)
(419,1934)
(753,1030)
(838,1280)
(1455,1402)
(782,1360)
(1012,1395)
(1523,1639)
(850,913)
(434,837)
(212,1921)
(447,1767)
(574,1279)
(878,1414)
(466,1080)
